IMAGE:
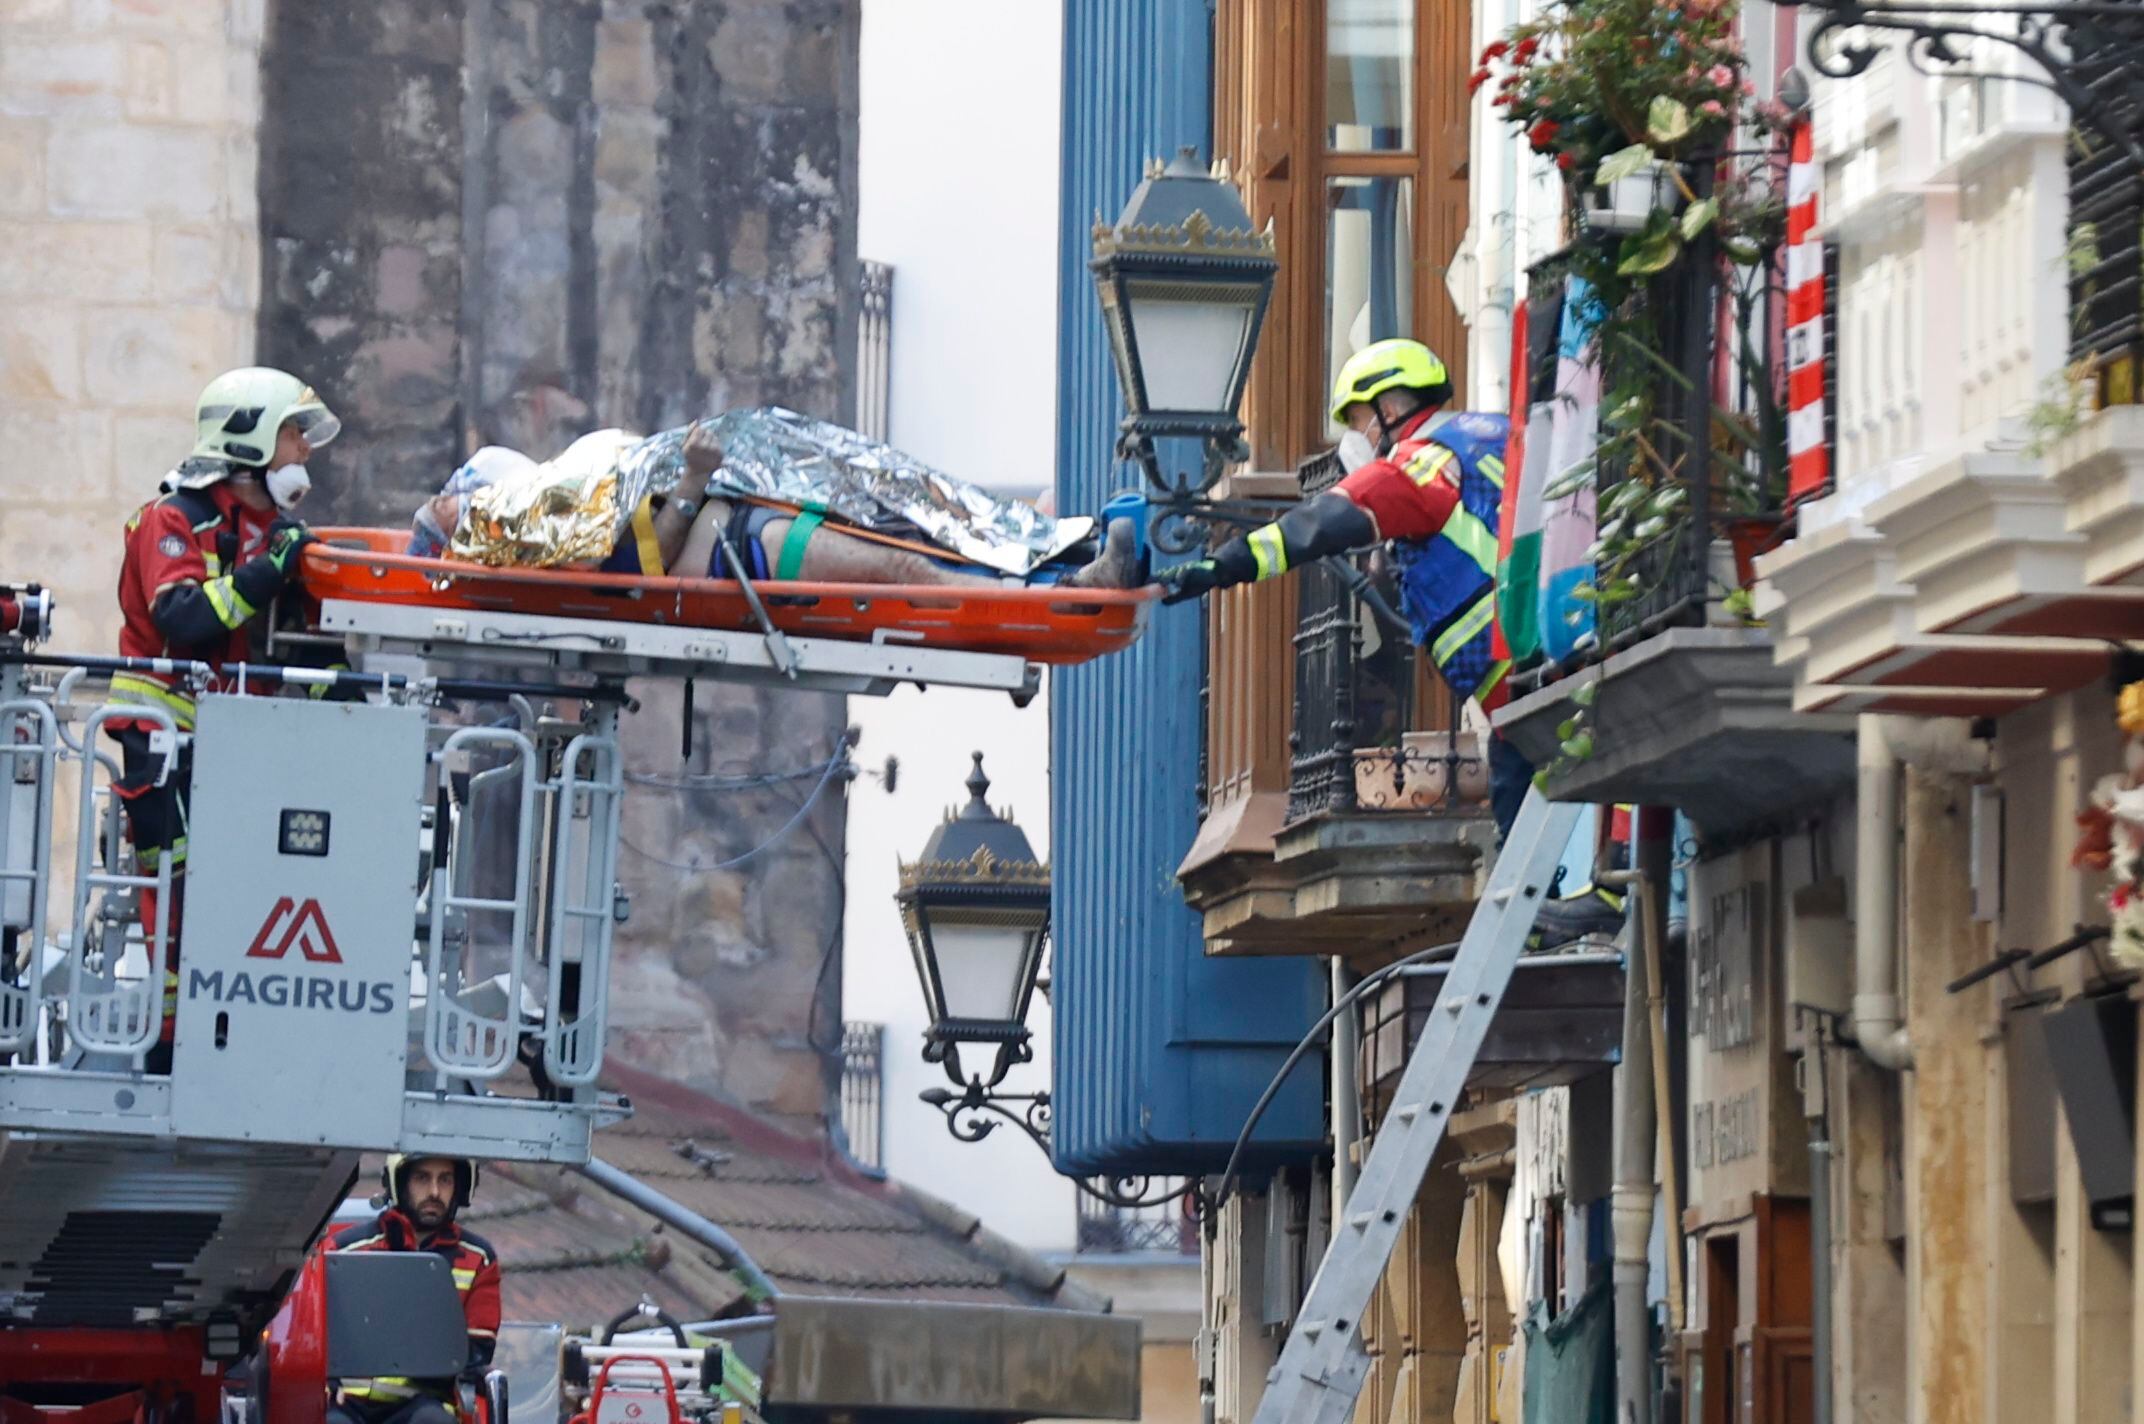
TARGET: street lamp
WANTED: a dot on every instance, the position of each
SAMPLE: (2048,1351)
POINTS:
(1184,279)
(976,905)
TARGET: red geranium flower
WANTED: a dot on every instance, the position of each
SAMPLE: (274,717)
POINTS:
(1542,134)
(1480,77)
(1502,98)
(1495,49)
(1525,49)
(1565,160)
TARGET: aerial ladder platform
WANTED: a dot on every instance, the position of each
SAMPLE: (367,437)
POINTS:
(395,935)
(1322,1364)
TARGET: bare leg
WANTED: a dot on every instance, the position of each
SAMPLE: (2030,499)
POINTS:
(834,557)
(698,554)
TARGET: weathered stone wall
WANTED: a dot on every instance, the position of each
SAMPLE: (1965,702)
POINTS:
(498,221)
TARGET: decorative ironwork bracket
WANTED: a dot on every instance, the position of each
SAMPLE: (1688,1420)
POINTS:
(2086,50)
(974,1112)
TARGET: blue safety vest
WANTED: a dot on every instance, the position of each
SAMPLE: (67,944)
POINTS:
(1448,581)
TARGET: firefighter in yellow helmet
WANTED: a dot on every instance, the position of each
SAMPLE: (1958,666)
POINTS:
(1430,482)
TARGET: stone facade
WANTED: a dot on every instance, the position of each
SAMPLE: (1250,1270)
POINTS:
(493,222)
(466,221)
(129,267)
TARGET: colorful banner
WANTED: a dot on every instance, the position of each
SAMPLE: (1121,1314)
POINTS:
(1567,483)
(1516,634)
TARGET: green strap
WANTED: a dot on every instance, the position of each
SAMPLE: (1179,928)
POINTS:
(800,532)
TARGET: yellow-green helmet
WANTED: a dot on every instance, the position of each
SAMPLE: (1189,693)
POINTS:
(1397,364)
(239,413)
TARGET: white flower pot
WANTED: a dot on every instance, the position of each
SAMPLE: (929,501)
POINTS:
(1624,205)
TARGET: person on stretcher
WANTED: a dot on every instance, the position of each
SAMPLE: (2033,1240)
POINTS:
(686,533)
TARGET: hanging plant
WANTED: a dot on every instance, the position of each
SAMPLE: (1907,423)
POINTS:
(1629,92)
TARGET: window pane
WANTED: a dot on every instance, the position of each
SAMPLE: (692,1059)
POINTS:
(1369,265)
(1369,75)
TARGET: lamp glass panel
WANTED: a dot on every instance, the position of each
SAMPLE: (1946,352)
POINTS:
(979,967)
(1191,342)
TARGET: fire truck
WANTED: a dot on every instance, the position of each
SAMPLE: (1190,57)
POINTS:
(396,936)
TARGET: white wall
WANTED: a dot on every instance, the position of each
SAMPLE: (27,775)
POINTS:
(959,177)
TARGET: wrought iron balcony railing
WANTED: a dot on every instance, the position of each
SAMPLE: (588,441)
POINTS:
(1358,742)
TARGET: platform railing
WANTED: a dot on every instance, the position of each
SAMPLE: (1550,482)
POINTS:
(29,742)
(108,1012)
(460,1039)
(588,806)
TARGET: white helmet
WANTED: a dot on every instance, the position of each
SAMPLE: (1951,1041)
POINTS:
(239,413)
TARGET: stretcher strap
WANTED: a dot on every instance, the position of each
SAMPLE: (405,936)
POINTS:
(800,531)
(858,531)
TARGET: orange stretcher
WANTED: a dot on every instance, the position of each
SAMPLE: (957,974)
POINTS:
(1042,624)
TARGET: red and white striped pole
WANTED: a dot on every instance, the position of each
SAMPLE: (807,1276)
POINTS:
(1808,461)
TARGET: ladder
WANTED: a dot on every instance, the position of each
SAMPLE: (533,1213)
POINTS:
(1322,1364)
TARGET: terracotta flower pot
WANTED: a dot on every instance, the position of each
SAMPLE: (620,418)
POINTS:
(1753,535)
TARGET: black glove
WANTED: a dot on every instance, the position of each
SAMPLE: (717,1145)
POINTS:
(287,539)
(1188,581)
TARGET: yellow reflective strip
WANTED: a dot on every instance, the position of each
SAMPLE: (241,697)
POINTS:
(1474,538)
(230,605)
(1489,683)
(1492,469)
(651,553)
(1271,552)
(1427,463)
(213,563)
(130,687)
(462,1278)
(1464,629)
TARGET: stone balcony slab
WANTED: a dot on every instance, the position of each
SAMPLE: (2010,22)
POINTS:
(1366,885)
(1701,719)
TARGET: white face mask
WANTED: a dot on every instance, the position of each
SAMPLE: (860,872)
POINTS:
(287,484)
(1355,451)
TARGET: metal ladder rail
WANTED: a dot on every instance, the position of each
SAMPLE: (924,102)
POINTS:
(460,1041)
(22,1004)
(122,1018)
(1322,1364)
(584,915)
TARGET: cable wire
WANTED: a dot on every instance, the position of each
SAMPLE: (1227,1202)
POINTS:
(835,763)
(1318,1031)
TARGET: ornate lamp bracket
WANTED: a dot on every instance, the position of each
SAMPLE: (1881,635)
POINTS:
(975,1112)
(2085,49)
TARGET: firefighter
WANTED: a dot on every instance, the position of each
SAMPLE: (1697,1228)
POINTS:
(1429,482)
(202,562)
(423,1196)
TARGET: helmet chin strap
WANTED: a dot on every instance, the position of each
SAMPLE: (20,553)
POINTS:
(1388,430)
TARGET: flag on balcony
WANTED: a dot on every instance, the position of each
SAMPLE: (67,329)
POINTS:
(1542,540)
(1518,563)
(1808,459)
(1567,483)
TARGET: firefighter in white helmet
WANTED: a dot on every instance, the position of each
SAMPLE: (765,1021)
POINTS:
(203,560)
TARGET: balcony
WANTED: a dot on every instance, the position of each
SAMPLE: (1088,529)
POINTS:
(1672,695)
(1561,1020)
(1381,837)
(1994,577)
